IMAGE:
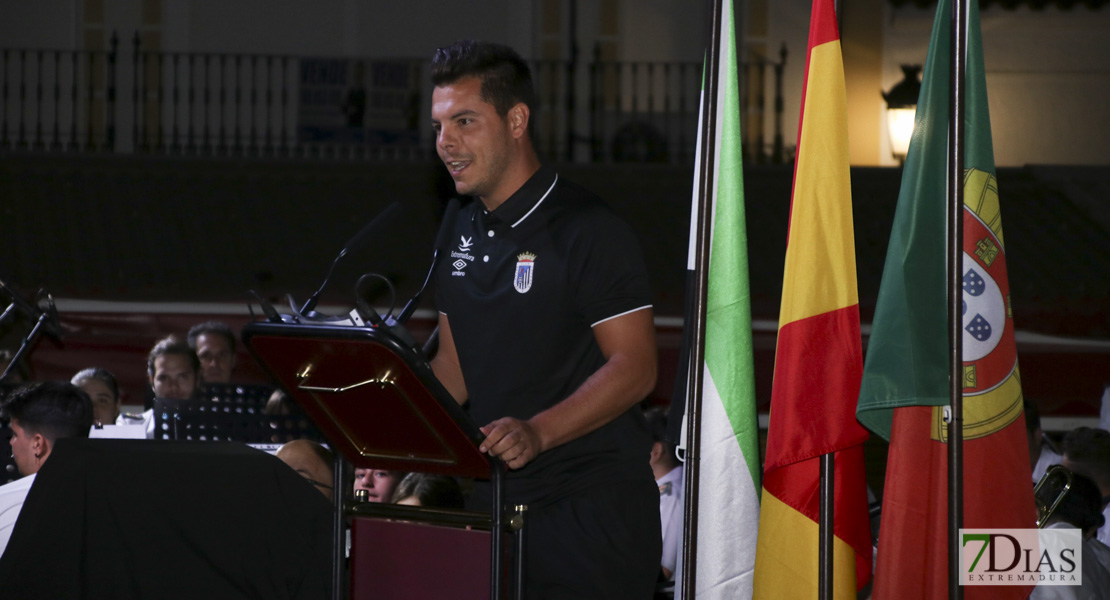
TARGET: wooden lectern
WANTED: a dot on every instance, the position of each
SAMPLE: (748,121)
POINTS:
(373,396)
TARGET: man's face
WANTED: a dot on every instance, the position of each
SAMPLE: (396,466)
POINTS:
(105,405)
(216,358)
(173,377)
(472,140)
(378,484)
(22,449)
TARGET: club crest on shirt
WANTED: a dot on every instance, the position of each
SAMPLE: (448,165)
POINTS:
(525,269)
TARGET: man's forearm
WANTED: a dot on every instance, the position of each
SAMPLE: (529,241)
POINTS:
(619,384)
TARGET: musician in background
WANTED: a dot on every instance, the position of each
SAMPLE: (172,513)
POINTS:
(103,390)
(40,414)
(214,344)
(378,483)
(1080,508)
(1087,453)
(312,461)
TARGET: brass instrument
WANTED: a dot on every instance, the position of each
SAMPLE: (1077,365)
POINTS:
(1050,491)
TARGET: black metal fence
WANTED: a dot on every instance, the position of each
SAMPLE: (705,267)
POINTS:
(209,104)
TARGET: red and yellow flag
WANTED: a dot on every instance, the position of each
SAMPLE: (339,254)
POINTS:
(819,361)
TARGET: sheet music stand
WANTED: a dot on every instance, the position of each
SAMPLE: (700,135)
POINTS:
(230,412)
(375,399)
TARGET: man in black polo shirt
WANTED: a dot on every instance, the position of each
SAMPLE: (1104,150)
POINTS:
(546,327)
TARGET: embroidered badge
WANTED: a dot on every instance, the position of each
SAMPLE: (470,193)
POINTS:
(467,242)
(525,266)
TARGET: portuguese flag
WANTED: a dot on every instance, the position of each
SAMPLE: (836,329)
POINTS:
(819,359)
(906,375)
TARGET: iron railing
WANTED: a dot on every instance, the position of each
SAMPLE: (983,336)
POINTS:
(211,104)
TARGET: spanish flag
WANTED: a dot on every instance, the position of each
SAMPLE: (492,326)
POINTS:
(819,360)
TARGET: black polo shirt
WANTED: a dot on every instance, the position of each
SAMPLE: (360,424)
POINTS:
(522,287)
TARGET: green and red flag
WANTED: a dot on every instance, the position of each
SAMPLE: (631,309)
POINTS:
(905,384)
(819,358)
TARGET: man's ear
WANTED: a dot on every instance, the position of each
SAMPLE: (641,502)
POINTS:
(518,119)
(656,451)
(40,446)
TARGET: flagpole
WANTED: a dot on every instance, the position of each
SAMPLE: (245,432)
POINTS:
(827,487)
(695,373)
(955,194)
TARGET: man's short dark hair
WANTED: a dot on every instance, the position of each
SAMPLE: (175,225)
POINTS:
(172,345)
(53,409)
(98,374)
(506,78)
(211,327)
(657,417)
(1088,450)
(1081,506)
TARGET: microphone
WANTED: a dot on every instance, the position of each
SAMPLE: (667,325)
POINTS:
(372,229)
(48,316)
(445,229)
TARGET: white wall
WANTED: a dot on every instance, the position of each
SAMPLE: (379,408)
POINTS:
(662,30)
(1047,79)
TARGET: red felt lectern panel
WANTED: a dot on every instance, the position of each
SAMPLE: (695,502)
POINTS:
(374,398)
(402,560)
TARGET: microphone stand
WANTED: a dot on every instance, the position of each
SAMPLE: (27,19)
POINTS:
(45,320)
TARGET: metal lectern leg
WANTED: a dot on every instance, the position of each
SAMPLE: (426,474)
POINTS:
(517,524)
(339,530)
(497,550)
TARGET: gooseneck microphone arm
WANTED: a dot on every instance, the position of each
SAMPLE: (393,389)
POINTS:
(372,229)
(445,229)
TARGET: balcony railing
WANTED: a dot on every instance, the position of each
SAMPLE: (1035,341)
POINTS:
(209,104)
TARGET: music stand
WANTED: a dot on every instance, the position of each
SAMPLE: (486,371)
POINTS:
(231,412)
(375,399)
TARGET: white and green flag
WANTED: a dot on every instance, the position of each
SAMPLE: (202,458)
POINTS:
(728,474)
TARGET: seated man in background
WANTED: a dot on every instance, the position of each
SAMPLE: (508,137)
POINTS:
(214,344)
(40,414)
(173,372)
(312,461)
(668,473)
(1087,453)
(173,369)
(1080,509)
(432,491)
(103,390)
(379,484)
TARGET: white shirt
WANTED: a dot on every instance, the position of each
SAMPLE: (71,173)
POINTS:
(1096,577)
(12,496)
(670,515)
(1047,459)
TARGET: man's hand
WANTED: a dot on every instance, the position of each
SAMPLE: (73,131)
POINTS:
(514,441)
